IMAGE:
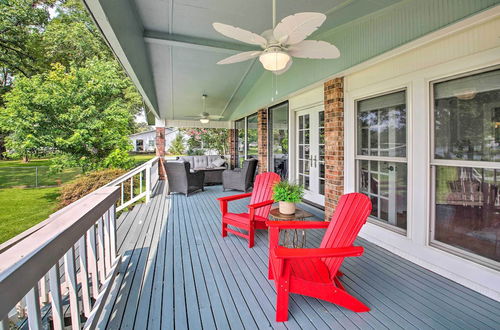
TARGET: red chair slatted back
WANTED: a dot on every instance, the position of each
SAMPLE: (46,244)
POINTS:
(263,191)
(350,215)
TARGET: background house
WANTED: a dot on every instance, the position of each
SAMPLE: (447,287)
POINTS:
(146,141)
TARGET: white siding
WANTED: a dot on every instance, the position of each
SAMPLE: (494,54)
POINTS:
(465,50)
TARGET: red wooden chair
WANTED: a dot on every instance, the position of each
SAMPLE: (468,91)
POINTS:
(258,210)
(315,272)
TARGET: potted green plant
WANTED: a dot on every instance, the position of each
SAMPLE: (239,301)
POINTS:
(287,194)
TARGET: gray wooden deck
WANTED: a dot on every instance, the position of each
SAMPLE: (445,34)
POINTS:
(178,272)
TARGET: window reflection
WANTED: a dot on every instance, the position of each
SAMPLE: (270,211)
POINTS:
(278,148)
(468,209)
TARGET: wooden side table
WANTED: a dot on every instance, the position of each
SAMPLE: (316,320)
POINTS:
(290,237)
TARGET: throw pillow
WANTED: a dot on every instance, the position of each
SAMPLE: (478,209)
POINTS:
(218,162)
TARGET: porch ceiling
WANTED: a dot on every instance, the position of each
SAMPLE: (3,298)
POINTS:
(170,49)
(182,48)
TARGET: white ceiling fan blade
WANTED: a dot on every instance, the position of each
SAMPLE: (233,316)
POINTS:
(240,57)
(215,117)
(285,69)
(240,34)
(295,28)
(314,49)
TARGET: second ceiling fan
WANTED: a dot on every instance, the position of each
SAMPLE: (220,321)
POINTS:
(279,44)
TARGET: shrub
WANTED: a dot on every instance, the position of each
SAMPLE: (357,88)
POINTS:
(85,184)
(285,191)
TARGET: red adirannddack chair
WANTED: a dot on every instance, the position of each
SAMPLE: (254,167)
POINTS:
(258,209)
(315,272)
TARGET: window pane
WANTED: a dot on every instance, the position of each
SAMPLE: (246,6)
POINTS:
(382,125)
(467,118)
(386,185)
(467,209)
(278,121)
(252,133)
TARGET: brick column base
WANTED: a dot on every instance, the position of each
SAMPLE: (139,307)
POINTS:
(160,151)
(262,139)
(232,142)
(334,144)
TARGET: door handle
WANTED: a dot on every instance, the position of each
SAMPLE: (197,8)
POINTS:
(315,161)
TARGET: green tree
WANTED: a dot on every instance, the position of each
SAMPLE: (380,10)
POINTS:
(177,146)
(71,37)
(84,114)
(208,138)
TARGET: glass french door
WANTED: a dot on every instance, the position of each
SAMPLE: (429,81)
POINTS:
(311,154)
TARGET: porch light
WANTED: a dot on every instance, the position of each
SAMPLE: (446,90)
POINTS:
(204,120)
(274,60)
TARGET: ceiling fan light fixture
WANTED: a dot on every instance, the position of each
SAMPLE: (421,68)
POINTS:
(274,60)
(204,120)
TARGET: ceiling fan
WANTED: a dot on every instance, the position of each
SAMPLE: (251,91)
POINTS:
(283,41)
(205,117)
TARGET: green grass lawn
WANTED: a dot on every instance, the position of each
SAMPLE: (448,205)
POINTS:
(21,209)
(142,158)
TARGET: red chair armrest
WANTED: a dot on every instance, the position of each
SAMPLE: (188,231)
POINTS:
(261,204)
(297,224)
(286,253)
(234,197)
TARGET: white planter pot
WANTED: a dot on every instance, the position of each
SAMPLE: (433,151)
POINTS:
(287,207)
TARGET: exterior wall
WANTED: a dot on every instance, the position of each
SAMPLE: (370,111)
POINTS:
(232,143)
(454,52)
(334,144)
(145,137)
(262,140)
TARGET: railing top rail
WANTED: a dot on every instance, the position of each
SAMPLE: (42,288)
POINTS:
(24,263)
(132,172)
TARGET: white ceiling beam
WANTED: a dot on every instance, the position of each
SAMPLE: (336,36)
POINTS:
(177,40)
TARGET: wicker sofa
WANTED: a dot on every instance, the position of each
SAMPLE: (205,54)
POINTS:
(205,163)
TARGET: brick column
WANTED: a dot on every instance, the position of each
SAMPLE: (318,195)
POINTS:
(262,139)
(160,150)
(232,142)
(334,144)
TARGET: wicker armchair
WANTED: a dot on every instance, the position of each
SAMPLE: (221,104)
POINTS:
(182,180)
(240,178)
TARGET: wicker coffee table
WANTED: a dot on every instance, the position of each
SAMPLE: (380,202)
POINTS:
(291,238)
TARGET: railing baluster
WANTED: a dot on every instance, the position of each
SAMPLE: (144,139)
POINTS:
(112,233)
(107,254)
(122,194)
(140,182)
(55,297)
(92,257)
(69,269)
(100,240)
(33,305)
(148,183)
(131,187)
(84,275)
(44,294)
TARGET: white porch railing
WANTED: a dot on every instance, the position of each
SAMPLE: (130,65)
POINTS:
(79,242)
(71,256)
(137,183)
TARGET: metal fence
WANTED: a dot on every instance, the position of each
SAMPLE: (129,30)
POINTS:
(34,176)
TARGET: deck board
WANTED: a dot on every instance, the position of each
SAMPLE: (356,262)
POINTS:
(178,272)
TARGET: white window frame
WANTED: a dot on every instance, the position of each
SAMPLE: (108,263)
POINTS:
(452,163)
(403,160)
